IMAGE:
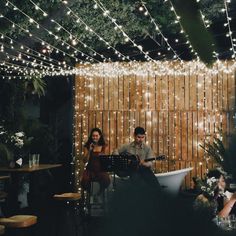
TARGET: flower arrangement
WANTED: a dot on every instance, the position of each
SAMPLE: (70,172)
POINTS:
(209,187)
(13,145)
(206,202)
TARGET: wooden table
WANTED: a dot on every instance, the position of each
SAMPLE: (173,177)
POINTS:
(15,174)
(27,169)
(4,177)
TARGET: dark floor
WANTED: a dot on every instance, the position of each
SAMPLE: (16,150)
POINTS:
(130,212)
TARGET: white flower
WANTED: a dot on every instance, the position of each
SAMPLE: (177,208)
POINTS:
(20,134)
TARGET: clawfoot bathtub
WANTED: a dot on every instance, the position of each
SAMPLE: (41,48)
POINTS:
(171,181)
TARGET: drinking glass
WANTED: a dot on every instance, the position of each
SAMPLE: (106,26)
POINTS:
(37,156)
(30,160)
(34,159)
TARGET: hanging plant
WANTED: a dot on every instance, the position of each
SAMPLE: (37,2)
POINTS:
(35,85)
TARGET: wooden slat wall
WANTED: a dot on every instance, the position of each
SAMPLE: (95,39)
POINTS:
(178,113)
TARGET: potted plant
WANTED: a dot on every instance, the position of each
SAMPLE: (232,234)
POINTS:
(13,147)
(223,155)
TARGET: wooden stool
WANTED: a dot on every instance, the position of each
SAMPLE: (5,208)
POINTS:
(18,222)
(96,201)
(73,200)
(3,196)
(67,197)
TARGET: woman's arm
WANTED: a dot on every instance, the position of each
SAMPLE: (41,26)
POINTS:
(228,207)
(86,155)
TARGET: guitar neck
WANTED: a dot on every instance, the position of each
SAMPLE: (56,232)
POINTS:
(158,158)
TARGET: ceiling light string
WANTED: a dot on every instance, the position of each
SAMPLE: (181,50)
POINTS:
(87,27)
(106,13)
(20,58)
(34,63)
(229,34)
(14,77)
(34,22)
(34,57)
(204,20)
(157,28)
(12,68)
(182,29)
(75,40)
(20,72)
(159,68)
(37,71)
(43,42)
(39,8)
(72,37)
(23,69)
(206,24)
(43,56)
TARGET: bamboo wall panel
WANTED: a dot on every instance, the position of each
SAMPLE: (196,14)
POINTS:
(178,113)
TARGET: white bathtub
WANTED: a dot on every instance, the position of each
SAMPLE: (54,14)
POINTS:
(171,181)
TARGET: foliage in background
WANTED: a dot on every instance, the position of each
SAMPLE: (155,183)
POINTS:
(12,116)
(35,85)
(126,12)
(14,145)
(43,142)
(201,40)
(223,156)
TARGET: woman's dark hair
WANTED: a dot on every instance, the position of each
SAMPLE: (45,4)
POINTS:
(101,141)
(214,173)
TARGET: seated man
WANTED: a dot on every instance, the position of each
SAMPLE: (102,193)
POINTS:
(144,152)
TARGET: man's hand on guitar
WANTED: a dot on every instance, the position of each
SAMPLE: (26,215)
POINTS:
(143,163)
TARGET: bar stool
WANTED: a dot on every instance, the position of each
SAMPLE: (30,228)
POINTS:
(71,203)
(3,195)
(96,201)
(19,224)
(2,229)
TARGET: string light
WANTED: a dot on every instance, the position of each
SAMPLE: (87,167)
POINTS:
(34,22)
(12,68)
(181,27)
(33,58)
(106,13)
(43,42)
(229,34)
(36,53)
(75,40)
(87,27)
(157,28)
(159,68)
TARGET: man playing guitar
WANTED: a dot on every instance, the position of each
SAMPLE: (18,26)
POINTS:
(144,152)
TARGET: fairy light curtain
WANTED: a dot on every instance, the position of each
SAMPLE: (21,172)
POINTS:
(181,105)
